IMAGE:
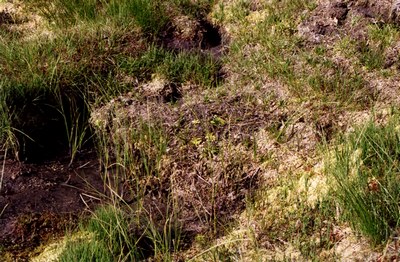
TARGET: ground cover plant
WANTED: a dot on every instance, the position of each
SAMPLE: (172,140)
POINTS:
(365,168)
(198,130)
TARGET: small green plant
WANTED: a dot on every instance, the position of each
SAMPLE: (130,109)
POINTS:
(366,169)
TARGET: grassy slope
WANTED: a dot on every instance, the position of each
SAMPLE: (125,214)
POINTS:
(298,215)
(276,116)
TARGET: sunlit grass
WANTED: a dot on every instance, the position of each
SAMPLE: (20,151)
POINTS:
(365,166)
(101,50)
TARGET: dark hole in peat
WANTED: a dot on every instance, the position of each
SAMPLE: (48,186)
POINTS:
(171,93)
(45,124)
(206,37)
(6,18)
(211,35)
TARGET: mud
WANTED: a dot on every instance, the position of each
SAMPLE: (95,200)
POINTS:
(40,202)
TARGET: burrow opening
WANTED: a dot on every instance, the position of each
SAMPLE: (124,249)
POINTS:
(205,36)
(211,35)
(46,125)
(6,18)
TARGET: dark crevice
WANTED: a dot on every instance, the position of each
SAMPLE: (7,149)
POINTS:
(43,122)
(6,18)
(211,35)
(205,37)
(171,93)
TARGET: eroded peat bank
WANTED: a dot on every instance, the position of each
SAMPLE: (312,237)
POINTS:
(199,130)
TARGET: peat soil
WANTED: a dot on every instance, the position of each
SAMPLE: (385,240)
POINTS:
(40,202)
(42,196)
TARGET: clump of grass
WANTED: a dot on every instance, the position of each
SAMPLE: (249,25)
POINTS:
(149,144)
(66,12)
(165,237)
(137,152)
(130,155)
(113,233)
(366,169)
(150,15)
(6,133)
(84,250)
(108,238)
(196,9)
(110,226)
(182,67)
(372,52)
(329,79)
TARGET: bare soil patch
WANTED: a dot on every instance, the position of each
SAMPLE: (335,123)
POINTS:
(334,18)
(39,202)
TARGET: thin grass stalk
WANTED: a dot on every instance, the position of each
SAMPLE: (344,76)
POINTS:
(3,169)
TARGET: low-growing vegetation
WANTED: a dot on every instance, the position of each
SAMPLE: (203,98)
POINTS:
(199,130)
(366,172)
